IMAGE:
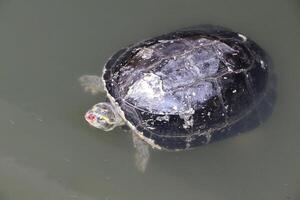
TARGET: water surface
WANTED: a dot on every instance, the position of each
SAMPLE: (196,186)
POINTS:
(48,152)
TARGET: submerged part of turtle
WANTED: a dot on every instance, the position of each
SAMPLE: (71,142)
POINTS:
(189,87)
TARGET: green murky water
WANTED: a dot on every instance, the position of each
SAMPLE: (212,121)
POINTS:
(48,152)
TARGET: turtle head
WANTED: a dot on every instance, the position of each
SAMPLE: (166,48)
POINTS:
(102,116)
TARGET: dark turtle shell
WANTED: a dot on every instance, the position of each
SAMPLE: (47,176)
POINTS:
(189,87)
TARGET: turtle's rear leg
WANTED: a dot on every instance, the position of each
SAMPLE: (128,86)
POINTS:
(142,153)
(91,83)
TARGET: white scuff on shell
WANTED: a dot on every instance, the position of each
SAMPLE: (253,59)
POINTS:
(115,104)
(163,118)
(208,114)
(165,41)
(262,64)
(149,87)
(188,118)
(145,53)
(244,38)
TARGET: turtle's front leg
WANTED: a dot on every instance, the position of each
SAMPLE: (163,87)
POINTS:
(142,153)
(91,83)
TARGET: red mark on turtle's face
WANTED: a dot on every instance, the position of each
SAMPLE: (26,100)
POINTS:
(90,117)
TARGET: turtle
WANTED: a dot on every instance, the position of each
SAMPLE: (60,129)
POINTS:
(182,89)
